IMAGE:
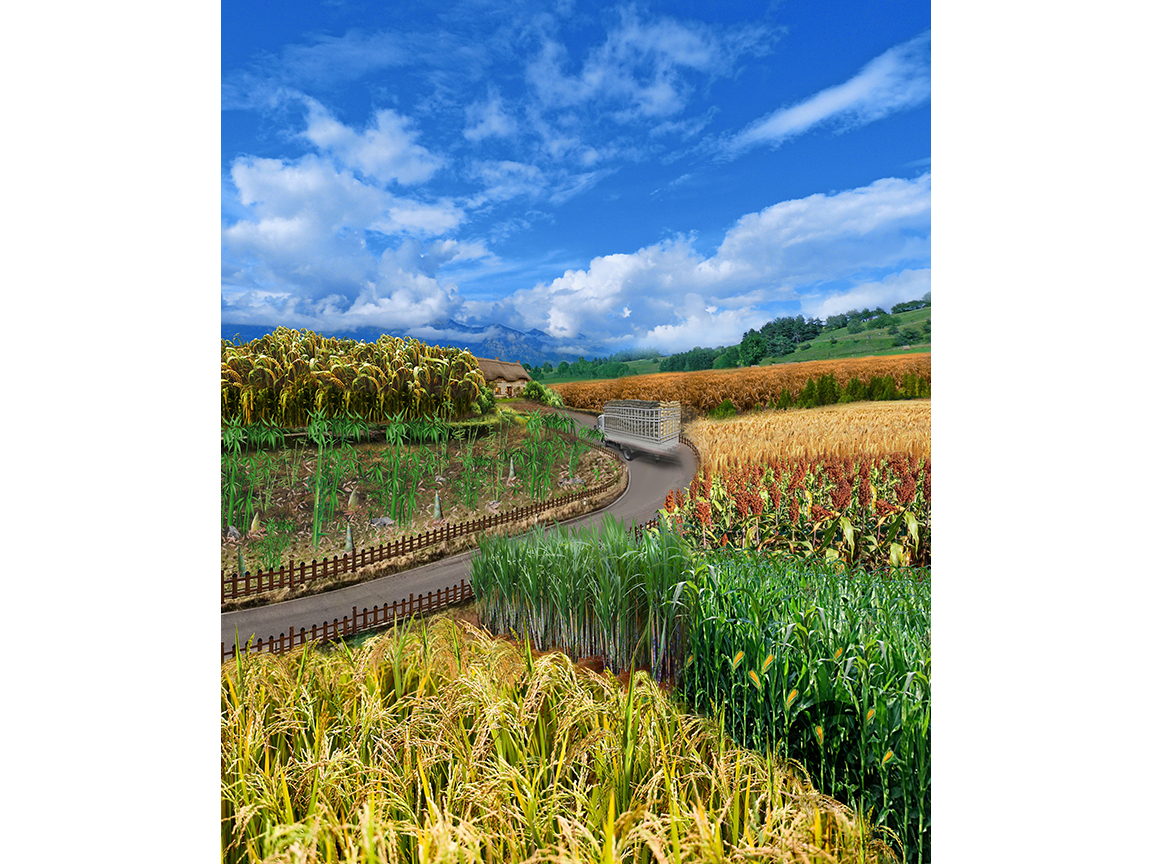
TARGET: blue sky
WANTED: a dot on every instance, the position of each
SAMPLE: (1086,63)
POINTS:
(615,175)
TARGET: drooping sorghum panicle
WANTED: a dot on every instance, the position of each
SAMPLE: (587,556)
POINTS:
(819,514)
(906,490)
(883,508)
(704,512)
(841,494)
(864,486)
(794,509)
(798,472)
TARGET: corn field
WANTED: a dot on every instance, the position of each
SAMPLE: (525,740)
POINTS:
(829,669)
(438,743)
(862,512)
(746,388)
(286,376)
(855,429)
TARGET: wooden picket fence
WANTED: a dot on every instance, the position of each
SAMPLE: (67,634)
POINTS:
(359,621)
(234,585)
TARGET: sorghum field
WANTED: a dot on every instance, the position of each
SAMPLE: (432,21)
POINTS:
(746,388)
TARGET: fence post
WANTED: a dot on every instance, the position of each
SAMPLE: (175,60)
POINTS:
(291,574)
(291,637)
(353,620)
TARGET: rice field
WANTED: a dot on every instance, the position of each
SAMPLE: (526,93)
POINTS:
(442,744)
(843,431)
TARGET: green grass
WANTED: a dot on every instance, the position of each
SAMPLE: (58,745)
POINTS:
(867,343)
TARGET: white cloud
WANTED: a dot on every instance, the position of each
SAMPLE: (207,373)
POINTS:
(676,297)
(641,65)
(305,247)
(488,119)
(328,61)
(899,78)
(386,151)
(893,288)
(505,180)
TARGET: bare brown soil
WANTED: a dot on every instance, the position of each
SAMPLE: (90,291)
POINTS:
(283,504)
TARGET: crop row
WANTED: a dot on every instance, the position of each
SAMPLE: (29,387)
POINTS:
(441,744)
(861,511)
(285,376)
(799,659)
(831,670)
(855,429)
(746,388)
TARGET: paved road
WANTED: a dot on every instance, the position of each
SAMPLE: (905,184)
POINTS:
(648,484)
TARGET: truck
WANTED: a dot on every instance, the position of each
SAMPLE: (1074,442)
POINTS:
(641,425)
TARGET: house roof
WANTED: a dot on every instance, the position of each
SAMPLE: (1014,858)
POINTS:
(494,369)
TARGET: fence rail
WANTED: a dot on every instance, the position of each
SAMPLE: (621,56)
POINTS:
(400,610)
(235,585)
(359,621)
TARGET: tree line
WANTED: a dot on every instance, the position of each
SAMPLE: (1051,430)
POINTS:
(777,338)
(782,336)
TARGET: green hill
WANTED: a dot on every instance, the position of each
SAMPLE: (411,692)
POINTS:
(873,339)
(838,343)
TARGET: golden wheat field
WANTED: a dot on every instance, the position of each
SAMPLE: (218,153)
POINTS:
(853,429)
(747,388)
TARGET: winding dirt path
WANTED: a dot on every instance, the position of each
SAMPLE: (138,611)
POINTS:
(648,484)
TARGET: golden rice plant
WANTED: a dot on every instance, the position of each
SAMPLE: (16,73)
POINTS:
(747,388)
(845,430)
(441,744)
(287,375)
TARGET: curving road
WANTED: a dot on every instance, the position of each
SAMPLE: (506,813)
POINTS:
(648,484)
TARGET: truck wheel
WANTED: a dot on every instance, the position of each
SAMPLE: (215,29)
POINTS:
(627,454)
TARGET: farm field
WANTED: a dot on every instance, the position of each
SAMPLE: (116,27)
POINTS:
(440,743)
(849,429)
(299,502)
(701,392)
(750,679)
(804,659)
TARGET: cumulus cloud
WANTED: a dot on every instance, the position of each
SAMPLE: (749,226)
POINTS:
(677,297)
(899,78)
(893,288)
(302,254)
(386,150)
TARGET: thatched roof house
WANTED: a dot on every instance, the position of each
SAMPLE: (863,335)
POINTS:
(506,378)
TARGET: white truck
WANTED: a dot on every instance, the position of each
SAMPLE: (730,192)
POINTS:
(636,424)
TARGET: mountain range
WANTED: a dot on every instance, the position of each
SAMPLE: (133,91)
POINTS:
(491,341)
